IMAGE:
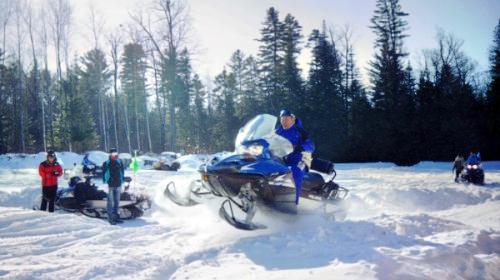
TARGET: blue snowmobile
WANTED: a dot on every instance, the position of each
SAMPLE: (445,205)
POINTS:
(255,176)
(473,172)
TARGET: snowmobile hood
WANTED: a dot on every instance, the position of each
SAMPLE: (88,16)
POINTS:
(246,165)
(265,168)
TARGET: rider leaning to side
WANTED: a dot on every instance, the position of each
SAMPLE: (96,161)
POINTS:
(291,129)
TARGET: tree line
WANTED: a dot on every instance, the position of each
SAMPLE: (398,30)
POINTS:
(137,90)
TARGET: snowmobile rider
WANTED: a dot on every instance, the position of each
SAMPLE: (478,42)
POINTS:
(291,129)
(113,175)
(458,166)
(49,170)
(86,165)
(473,158)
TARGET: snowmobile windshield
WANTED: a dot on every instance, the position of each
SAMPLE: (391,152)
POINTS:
(260,128)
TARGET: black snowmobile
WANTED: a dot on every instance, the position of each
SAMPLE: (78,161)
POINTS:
(256,177)
(473,173)
(84,197)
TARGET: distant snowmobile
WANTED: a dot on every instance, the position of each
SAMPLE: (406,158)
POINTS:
(473,173)
(90,167)
(168,161)
(84,197)
(255,177)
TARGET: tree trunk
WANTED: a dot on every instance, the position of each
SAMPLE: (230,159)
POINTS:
(103,123)
(127,127)
(21,83)
(158,104)
(136,116)
(147,126)
(115,103)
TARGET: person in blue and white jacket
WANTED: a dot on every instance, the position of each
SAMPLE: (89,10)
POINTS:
(113,175)
(291,129)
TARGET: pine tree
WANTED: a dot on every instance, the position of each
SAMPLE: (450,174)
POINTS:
(455,91)
(82,127)
(226,123)
(271,61)
(94,83)
(183,98)
(251,102)
(493,99)
(8,81)
(200,117)
(429,117)
(391,97)
(238,68)
(324,101)
(18,98)
(292,79)
(134,88)
(35,114)
(361,126)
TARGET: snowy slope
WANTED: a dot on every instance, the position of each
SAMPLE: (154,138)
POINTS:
(402,223)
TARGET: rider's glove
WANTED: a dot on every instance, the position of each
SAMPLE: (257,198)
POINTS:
(307,158)
(55,173)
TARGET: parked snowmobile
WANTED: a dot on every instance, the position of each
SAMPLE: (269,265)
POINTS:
(473,173)
(168,162)
(84,197)
(255,177)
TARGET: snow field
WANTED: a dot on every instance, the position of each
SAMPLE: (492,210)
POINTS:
(401,223)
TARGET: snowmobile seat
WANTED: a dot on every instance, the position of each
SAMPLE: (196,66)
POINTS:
(312,181)
(80,193)
(85,191)
(322,165)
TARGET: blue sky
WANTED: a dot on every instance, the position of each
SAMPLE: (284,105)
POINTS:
(222,26)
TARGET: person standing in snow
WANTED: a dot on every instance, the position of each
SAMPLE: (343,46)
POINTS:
(49,170)
(113,175)
(291,129)
(458,166)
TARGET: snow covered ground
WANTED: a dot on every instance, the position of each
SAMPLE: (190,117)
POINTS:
(402,223)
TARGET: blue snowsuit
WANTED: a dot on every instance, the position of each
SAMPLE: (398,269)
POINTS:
(87,161)
(301,142)
(473,159)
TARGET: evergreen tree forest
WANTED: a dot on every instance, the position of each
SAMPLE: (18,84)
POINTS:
(137,89)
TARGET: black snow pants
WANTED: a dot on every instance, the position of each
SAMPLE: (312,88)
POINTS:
(457,172)
(48,195)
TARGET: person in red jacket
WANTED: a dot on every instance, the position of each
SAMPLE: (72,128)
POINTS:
(49,170)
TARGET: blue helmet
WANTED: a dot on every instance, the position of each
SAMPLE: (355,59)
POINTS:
(285,113)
